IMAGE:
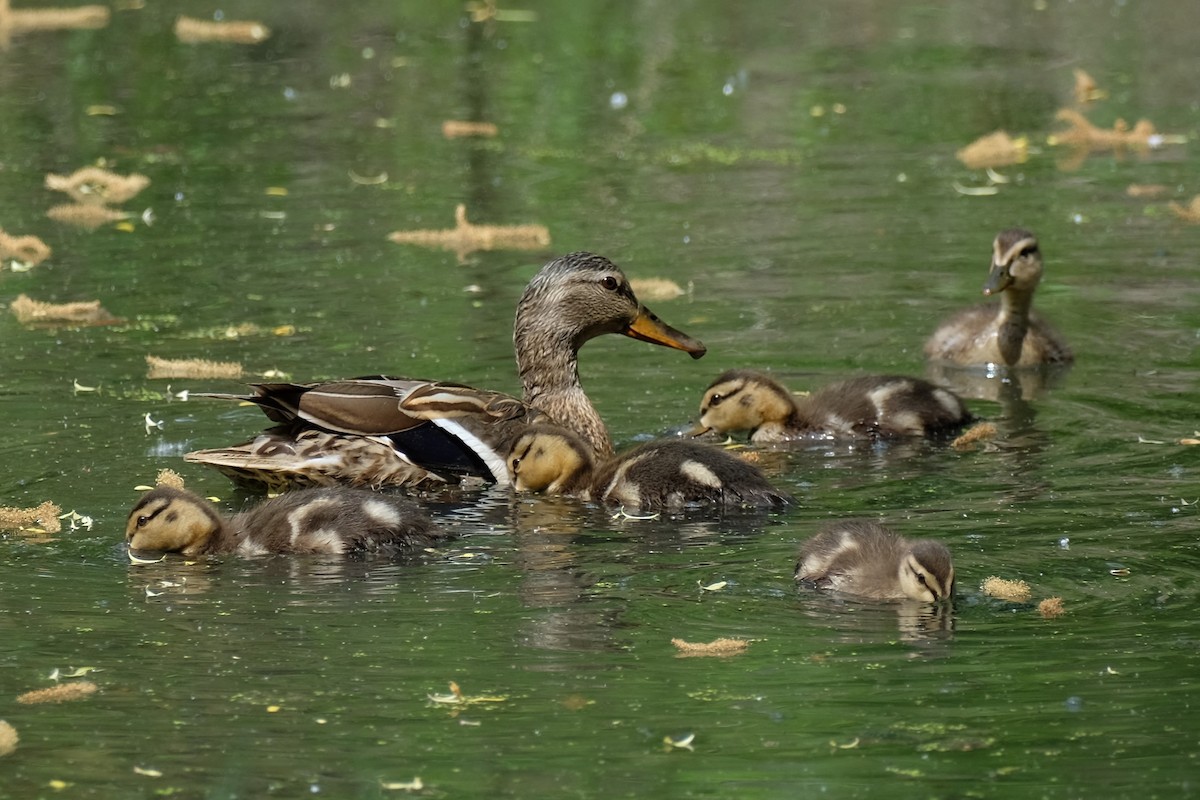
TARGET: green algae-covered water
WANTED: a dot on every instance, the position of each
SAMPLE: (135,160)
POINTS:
(792,167)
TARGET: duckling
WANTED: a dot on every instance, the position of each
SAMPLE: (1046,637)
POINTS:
(335,521)
(865,558)
(872,406)
(378,430)
(1009,334)
(666,474)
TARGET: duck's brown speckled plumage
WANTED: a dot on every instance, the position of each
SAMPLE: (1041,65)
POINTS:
(864,558)
(871,406)
(1009,333)
(395,431)
(667,474)
(337,521)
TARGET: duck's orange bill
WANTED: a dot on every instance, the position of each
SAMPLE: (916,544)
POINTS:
(649,328)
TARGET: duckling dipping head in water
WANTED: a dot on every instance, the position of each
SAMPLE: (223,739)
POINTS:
(864,558)
(872,406)
(668,474)
(332,520)
(1010,333)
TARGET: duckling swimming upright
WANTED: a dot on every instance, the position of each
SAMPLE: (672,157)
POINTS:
(667,474)
(1010,333)
(864,558)
(872,406)
(335,521)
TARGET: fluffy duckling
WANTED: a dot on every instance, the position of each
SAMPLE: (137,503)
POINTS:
(667,474)
(335,521)
(1009,333)
(864,558)
(873,406)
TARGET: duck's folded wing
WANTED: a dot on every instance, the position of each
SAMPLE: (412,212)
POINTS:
(284,458)
(443,428)
(364,406)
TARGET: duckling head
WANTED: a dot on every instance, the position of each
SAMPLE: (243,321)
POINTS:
(740,400)
(549,459)
(171,520)
(580,296)
(1016,262)
(927,572)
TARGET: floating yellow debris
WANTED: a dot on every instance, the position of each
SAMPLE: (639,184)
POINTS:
(18,21)
(466,238)
(976,433)
(193,31)
(456,697)
(1146,190)
(457,128)
(29,249)
(486,11)
(415,785)
(682,742)
(149,773)
(1084,135)
(653,289)
(86,216)
(62,693)
(1188,213)
(96,186)
(8,738)
(1051,607)
(169,477)
(35,312)
(1086,90)
(997,149)
(717,647)
(40,519)
(1003,589)
(197,368)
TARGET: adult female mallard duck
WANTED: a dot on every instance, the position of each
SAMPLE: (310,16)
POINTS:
(667,474)
(378,431)
(872,406)
(1010,333)
(337,521)
(865,558)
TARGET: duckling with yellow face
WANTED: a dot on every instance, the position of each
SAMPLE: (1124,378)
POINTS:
(1011,333)
(864,558)
(871,406)
(668,474)
(332,521)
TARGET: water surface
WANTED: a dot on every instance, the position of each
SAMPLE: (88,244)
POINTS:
(795,168)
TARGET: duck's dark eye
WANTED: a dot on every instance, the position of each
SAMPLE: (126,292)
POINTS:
(516,462)
(921,579)
(1029,251)
(610,283)
(715,400)
(141,521)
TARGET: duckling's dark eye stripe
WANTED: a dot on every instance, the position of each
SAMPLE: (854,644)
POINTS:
(145,518)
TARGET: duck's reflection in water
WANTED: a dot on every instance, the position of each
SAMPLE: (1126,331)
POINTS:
(852,620)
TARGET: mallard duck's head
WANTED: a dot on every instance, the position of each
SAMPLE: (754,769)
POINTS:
(581,296)
(743,400)
(927,571)
(550,459)
(1016,262)
(171,521)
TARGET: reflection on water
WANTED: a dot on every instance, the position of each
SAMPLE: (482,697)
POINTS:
(855,621)
(794,166)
